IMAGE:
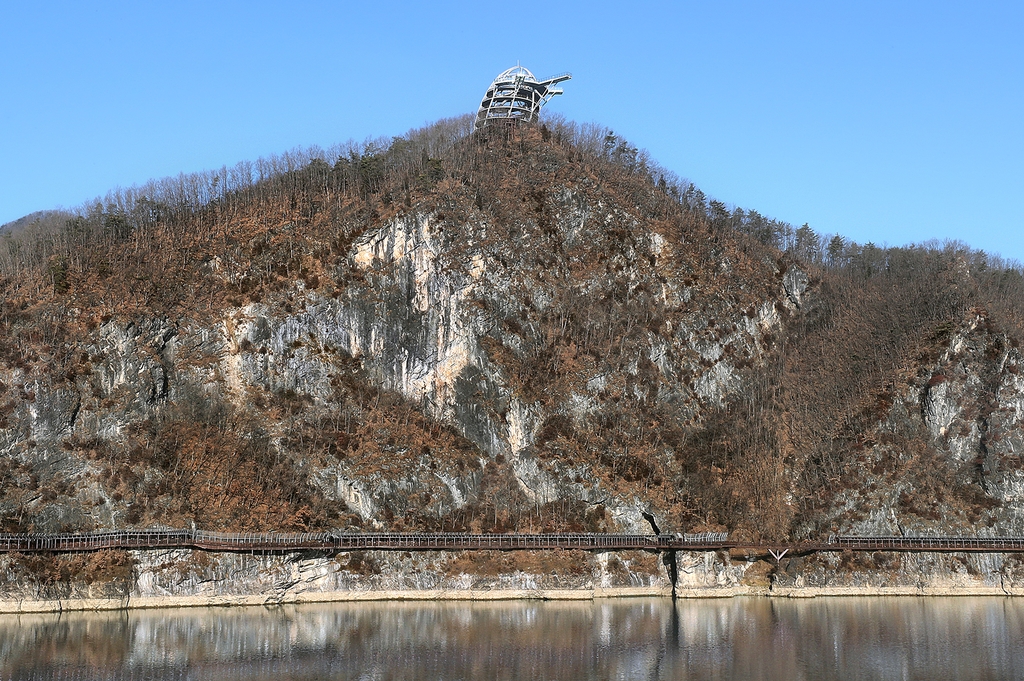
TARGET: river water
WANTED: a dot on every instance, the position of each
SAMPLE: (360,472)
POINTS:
(932,638)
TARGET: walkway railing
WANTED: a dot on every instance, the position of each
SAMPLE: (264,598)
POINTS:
(272,542)
(264,542)
(945,544)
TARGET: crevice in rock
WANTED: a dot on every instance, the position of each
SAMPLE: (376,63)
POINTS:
(667,557)
(649,517)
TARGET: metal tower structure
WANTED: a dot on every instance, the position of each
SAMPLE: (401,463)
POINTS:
(516,95)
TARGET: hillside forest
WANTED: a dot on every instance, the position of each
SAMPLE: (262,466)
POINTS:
(534,328)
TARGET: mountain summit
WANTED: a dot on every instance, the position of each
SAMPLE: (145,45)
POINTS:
(512,329)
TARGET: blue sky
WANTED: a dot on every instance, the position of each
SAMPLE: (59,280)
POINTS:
(890,122)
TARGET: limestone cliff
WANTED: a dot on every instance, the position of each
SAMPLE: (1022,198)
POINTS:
(524,334)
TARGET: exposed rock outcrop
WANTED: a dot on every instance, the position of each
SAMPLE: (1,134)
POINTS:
(541,340)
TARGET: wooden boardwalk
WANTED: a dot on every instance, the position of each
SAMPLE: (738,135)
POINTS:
(270,542)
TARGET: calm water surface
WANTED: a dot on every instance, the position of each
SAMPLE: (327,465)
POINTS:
(938,639)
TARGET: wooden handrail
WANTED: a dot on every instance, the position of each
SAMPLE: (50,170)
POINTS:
(276,542)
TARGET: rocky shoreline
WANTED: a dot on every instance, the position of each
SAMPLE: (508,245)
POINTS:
(184,578)
(9,607)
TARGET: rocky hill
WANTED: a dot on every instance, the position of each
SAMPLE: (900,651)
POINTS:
(524,330)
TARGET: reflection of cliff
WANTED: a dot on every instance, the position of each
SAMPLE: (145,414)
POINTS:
(498,334)
(651,639)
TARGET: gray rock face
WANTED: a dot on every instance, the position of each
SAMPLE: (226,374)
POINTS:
(962,414)
(446,315)
(53,414)
(795,283)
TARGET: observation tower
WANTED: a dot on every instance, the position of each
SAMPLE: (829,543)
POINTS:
(516,95)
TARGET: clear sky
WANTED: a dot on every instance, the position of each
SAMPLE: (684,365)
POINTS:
(890,122)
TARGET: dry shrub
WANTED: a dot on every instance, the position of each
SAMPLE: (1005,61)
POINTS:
(493,563)
(56,574)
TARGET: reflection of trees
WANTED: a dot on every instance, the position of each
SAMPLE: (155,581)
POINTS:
(646,638)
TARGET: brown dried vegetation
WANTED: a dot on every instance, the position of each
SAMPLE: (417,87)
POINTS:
(799,433)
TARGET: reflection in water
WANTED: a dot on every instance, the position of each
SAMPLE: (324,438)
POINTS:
(739,638)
